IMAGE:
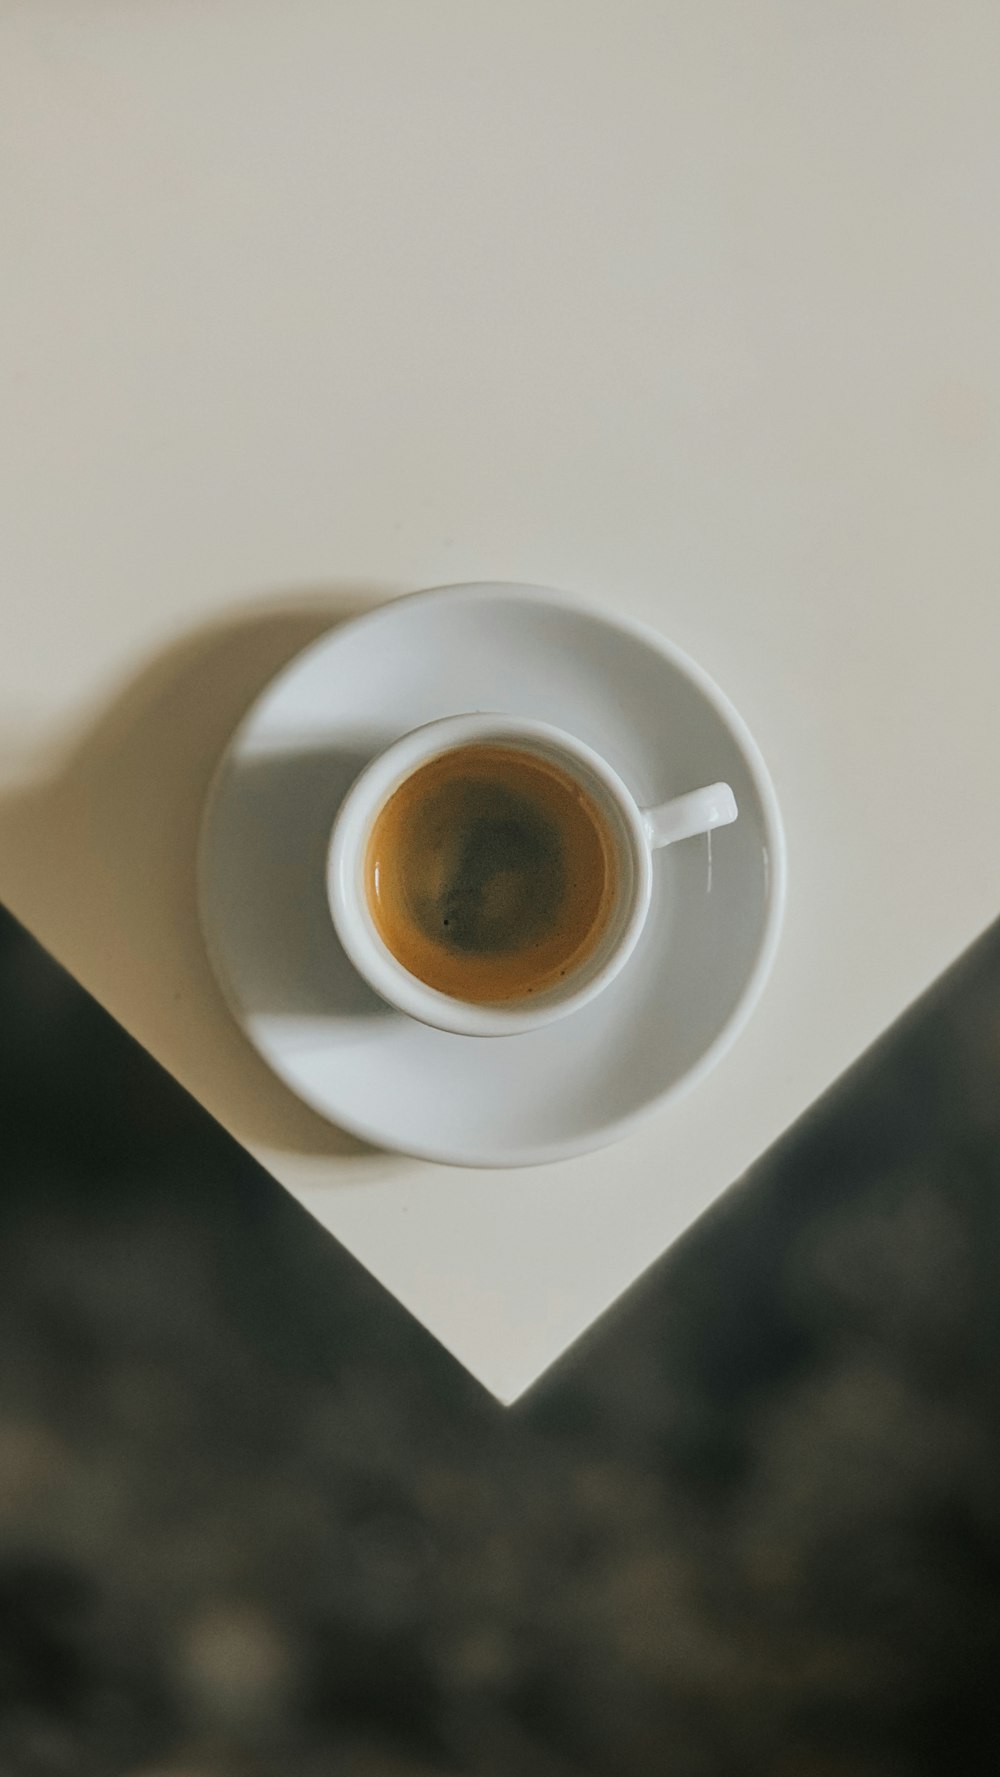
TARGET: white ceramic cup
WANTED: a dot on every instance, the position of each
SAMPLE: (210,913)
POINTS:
(635,832)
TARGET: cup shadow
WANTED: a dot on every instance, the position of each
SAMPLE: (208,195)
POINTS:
(100,859)
(270,827)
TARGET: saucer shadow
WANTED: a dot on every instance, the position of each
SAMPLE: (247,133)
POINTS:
(99,860)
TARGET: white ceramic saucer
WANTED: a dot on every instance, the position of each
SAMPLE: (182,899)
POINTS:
(508,1101)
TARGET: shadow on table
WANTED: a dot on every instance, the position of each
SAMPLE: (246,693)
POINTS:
(100,859)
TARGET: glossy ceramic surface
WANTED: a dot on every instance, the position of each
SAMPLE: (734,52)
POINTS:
(700,962)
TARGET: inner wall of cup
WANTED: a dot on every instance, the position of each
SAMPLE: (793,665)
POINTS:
(627,867)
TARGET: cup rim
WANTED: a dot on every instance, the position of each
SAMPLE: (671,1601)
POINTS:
(352,920)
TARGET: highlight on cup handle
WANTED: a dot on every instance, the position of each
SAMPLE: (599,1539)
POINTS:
(685,816)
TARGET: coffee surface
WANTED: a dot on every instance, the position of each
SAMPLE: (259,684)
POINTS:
(490,873)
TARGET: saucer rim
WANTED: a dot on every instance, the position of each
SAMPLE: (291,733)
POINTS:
(616,1129)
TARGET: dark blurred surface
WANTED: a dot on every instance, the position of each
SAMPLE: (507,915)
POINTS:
(254,1520)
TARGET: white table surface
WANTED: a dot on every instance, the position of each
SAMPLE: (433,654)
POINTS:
(691,308)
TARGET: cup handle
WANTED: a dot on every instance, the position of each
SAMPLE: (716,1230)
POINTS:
(697,812)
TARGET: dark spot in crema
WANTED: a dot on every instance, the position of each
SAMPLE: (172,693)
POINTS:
(504,879)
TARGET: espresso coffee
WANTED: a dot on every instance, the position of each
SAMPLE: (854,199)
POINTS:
(490,873)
